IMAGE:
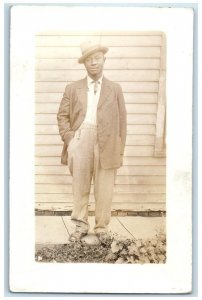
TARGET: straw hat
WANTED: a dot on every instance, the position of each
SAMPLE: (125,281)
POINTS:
(88,48)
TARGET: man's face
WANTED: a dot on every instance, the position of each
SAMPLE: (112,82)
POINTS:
(94,64)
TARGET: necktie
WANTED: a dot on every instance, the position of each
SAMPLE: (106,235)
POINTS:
(95,87)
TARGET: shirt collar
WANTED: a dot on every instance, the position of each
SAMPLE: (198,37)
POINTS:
(90,80)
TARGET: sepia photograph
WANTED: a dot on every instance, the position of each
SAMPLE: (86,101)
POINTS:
(101,102)
(101,117)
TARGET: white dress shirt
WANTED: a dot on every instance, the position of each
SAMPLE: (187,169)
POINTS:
(92,101)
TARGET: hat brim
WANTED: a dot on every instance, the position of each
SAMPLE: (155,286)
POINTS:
(92,51)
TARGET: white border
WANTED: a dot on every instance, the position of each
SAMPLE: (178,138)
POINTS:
(175,275)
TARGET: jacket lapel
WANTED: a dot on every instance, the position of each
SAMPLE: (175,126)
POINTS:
(82,94)
(105,91)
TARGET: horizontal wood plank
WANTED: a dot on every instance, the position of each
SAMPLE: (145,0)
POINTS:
(139,119)
(75,52)
(127,161)
(48,150)
(137,179)
(119,198)
(53,179)
(47,108)
(130,140)
(110,64)
(118,188)
(120,179)
(114,75)
(115,40)
(141,129)
(131,129)
(124,170)
(143,98)
(133,87)
(46,129)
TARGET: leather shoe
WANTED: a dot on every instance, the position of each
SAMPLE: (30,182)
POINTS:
(77,236)
(102,236)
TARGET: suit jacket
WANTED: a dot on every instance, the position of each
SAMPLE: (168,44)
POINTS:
(111,120)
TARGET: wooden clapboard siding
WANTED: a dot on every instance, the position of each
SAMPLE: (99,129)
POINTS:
(136,60)
(159,149)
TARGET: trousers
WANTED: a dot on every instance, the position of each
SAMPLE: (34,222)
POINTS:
(84,166)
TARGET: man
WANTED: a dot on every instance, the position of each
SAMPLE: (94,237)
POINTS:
(92,125)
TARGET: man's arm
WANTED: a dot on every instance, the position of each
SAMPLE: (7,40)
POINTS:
(63,117)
